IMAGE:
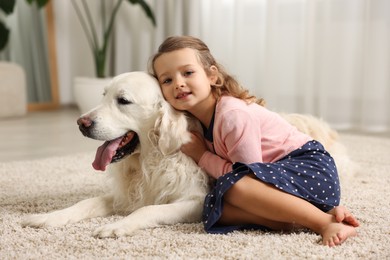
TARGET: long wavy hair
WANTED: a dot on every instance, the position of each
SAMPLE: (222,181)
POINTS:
(225,84)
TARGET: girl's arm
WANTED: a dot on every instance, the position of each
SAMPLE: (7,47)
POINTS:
(236,137)
(198,151)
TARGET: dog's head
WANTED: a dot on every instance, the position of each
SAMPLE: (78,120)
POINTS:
(132,114)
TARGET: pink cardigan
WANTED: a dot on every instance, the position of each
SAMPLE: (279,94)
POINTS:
(247,133)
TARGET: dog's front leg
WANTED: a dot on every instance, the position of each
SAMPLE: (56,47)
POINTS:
(89,208)
(153,216)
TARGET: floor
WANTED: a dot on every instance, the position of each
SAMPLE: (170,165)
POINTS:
(43,134)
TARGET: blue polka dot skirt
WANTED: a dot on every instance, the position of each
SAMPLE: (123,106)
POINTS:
(308,172)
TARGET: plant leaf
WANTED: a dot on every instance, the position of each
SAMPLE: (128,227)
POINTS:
(146,8)
(4,34)
(7,6)
(40,3)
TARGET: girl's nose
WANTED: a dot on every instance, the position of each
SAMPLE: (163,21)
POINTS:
(179,82)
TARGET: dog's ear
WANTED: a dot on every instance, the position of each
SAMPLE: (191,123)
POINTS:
(170,130)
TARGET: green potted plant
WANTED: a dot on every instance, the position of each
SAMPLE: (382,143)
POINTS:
(7,7)
(12,84)
(83,91)
(99,49)
(13,93)
(88,91)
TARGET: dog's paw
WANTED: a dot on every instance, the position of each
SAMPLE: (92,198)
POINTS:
(113,230)
(44,220)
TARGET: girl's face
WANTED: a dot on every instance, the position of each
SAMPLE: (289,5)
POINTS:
(184,82)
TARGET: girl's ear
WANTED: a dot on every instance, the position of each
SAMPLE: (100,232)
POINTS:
(213,74)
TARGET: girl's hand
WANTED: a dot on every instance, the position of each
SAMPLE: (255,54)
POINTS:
(196,147)
(342,214)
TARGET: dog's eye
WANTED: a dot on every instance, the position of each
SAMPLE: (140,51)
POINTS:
(123,101)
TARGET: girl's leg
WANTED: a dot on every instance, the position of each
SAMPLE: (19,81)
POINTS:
(269,203)
(236,216)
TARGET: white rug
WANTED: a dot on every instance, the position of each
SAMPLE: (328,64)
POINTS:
(58,182)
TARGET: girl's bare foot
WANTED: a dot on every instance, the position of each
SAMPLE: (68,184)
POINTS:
(336,233)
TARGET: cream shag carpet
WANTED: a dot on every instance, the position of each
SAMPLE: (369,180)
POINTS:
(54,183)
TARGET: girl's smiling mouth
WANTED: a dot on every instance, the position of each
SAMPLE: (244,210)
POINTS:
(183,95)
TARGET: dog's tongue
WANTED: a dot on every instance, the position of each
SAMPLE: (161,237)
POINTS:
(105,153)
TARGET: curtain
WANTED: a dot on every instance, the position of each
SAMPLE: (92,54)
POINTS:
(328,58)
(27,47)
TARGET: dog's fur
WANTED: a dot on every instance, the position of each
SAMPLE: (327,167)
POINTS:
(319,130)
(157,184)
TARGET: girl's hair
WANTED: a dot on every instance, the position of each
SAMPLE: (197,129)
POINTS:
(225,84)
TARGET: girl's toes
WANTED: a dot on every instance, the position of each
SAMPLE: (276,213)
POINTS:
(341,237)
(332,241)
(336,240)
(329,242)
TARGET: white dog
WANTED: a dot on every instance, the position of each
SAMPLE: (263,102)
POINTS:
(154,182)
(153,179)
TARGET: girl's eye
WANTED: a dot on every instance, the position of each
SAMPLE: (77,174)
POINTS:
(188,73)
(166,81)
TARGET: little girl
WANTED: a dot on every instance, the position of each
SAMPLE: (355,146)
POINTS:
(268,174)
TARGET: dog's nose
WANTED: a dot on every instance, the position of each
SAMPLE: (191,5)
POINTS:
(84,124)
